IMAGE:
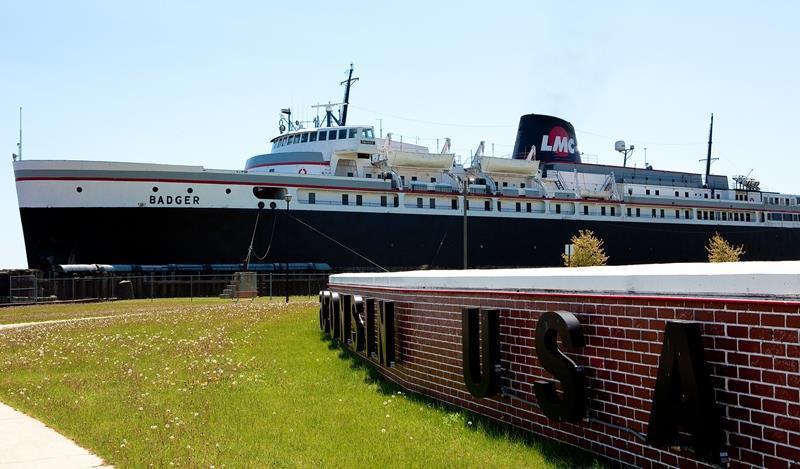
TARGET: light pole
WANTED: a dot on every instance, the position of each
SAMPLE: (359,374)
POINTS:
(287,198)
(466,183)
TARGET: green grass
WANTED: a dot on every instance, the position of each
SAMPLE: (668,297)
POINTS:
(215,383)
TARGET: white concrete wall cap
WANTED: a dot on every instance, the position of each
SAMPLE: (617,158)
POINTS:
(780,280)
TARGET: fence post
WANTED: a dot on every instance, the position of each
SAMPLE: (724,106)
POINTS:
(191,292)
(270,285)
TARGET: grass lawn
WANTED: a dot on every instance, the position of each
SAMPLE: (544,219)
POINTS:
(219,384)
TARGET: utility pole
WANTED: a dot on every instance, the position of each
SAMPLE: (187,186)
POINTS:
(466,183)
(288,199)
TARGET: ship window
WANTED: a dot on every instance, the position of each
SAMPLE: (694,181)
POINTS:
(677,214)
(735,217)
(345,199)
(718,197)
(432,203)
(498,206)
(487,205)
(304,138)
(413,178)
(519,207)
(629,211)
(657,192)
(686,194)
(269,192)
(528,207)
(342,134)
(312,198)
(366,133)
(349,175)
(396,201)
(359,199)
(705,196)
(613,212)
(383,201)
(558,208)
(661,213)
(332,135)
(433,179)
(369,175)
(653,213)
(747,216)
(638,212)
(352,133)
(323,136)
(312,137)
(454,204)
(586,210)
(419,202)
(705,215)
(602,211)
(505,184)
(724,216)
(522,185)
(297,138)
(686,214)
(79,189)
(647,192)
(677,194)
(699,215)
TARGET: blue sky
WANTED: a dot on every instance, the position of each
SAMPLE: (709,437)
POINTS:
(203,82)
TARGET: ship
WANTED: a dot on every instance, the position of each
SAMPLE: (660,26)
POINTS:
(335,193)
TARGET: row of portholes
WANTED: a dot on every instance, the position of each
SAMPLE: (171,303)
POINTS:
(155,189)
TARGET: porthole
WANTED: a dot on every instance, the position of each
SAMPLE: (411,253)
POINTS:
(79,189)
(227,191)
(155,189)
(261,205)
(190,190)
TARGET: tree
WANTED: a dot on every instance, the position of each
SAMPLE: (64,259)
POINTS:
(587,250)
(720,251)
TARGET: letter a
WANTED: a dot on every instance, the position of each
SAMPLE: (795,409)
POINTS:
(683,400)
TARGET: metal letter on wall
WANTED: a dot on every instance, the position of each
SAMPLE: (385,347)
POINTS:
(684,411)
(371,308)
(480,350)
(386,333)
(571,407)
(357,325)
(344,317)
(324,311)
(333,316)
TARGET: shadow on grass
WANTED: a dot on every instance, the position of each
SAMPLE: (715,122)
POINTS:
(554,452)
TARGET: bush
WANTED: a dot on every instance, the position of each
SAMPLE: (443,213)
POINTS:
(720,251)
(587,250)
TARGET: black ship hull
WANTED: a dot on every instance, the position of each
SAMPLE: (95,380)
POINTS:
(395,241)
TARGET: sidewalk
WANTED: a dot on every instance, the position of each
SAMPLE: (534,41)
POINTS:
(26,443)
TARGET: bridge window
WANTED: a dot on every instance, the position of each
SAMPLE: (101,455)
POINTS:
(312,137)
(323,136)
(352,133)
(304,137)
(367,133)
(342,134)
(332,135)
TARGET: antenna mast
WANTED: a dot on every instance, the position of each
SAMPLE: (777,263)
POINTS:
(708,157)
(347,83)
(19,145)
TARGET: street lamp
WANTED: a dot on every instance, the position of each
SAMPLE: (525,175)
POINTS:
(467,180)
(287,198)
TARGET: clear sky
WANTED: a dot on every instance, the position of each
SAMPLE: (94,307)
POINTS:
(203,82)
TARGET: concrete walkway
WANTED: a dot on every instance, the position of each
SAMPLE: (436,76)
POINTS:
(27,443)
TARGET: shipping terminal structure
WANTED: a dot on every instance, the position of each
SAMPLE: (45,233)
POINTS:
(335,193)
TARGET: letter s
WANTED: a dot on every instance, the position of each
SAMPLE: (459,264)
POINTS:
(572,406)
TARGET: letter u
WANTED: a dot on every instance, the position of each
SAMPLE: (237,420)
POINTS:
(480,331)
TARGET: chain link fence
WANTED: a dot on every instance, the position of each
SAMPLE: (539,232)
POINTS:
(35,289)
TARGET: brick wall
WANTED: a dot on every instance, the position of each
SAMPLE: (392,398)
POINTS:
(751,345)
